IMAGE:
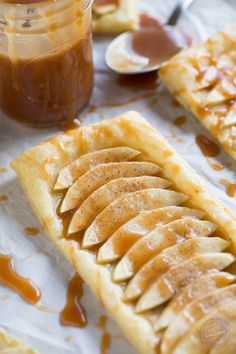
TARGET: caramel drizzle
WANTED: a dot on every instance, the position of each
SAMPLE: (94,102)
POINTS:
(179,121)
(230,187)
(74,313)
(208,147)
(106,337)
(24,287)
(3,198)
(93,108)
(32,231)
(215,166)
(105,343)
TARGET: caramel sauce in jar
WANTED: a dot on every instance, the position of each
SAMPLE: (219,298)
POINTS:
(46,67)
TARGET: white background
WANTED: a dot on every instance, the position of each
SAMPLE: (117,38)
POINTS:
(34,257)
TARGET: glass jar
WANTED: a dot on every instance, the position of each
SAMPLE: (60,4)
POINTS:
(46,67)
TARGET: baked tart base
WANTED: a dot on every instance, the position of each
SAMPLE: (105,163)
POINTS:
(138,224)
(203,80)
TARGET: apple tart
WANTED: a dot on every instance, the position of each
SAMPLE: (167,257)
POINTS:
(203,79)
(140,227)
(11,345)
(115,16)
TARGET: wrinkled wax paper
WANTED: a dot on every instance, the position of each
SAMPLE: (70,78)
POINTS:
(34,256)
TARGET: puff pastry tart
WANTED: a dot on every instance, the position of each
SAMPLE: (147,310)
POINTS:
(140,227)
(203,79)
(114,16)
(11,345)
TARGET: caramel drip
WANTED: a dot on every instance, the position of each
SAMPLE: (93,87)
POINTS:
(74,313)
(106,337)
(102,321)
(3,170)
(32,231)
(93,108)
(208,147)
(69,125)
(24,287)
(175,104)
(3,198)
(46,309)
(65,217)
(105,343)
(179,121)
(230,187)
(215,166)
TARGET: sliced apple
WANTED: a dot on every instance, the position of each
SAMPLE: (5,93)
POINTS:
(229,117)
(99,175)
(193,312)
(169,257)
(181,275)
(125,208)
(156,241)
(198,288)
(77,168)
(102,197)
(224,91)
(209,76)
(195,340)
(127,235)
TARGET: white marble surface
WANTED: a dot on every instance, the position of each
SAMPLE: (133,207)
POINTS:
(34,257)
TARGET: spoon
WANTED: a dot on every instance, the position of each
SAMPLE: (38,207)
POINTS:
(147,49)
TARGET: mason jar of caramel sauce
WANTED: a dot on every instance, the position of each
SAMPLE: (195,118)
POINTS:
(46,67)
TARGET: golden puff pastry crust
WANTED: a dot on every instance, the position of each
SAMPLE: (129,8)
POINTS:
(12,345)
(115,16)
(159,200)
(203,79)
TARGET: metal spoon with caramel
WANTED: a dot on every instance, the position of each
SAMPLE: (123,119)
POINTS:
(148,48)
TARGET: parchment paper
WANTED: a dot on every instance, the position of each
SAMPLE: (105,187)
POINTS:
(35,257)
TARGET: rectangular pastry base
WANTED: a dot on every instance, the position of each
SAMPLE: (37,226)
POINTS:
(194,77)
(38,169)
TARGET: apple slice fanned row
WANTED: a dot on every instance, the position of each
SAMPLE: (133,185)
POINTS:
(69,174)
(169,257)
(157,240)
(178,277)
(105,195)
(143,231)
(203,285)
(128,234)
(101,174)
(202,78)
(219,335)
(193,312)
